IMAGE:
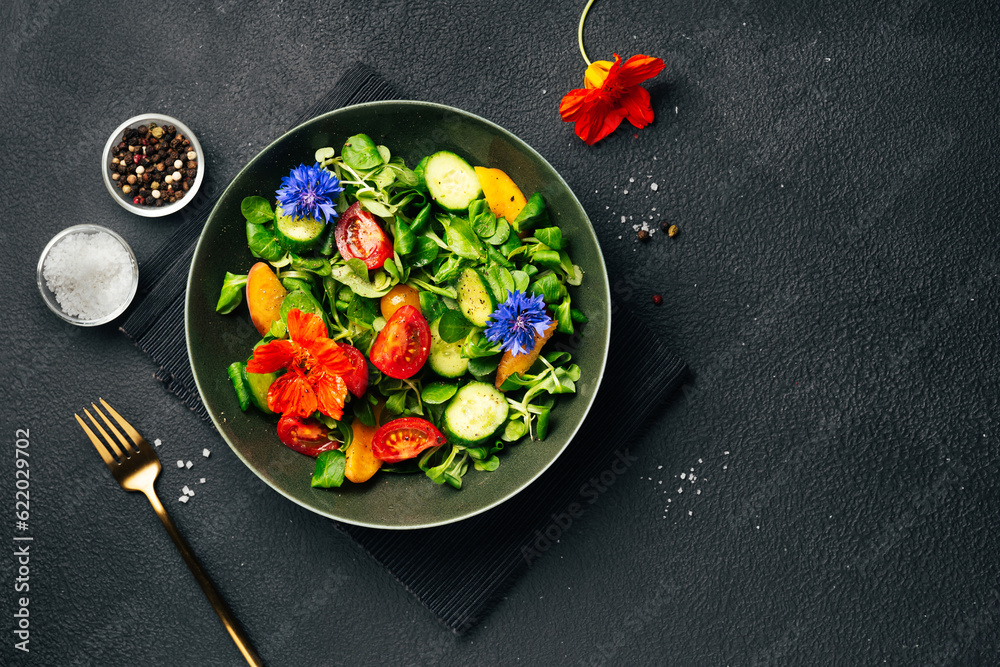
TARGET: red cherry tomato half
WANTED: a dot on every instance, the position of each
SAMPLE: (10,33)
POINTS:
(404,438)
(402,347)
(306,436)
(359,236)
(357,381)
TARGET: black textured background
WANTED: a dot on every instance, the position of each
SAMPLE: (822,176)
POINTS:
(833,169)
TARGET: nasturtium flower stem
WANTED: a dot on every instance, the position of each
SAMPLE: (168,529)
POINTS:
(579,32)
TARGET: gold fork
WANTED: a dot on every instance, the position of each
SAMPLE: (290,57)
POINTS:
(136,466)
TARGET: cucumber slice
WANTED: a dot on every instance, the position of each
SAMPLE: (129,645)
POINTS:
(474,297)
(297,234)
(258,384)
(474,414)
(446,358)
(452,183)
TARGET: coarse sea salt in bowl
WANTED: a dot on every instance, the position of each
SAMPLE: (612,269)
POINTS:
(87,275)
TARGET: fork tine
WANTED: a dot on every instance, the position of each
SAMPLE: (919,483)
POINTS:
(108,440)
(98,445)
(132,433)
(126,445)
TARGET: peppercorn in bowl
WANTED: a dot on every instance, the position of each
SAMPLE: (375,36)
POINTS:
(153,165)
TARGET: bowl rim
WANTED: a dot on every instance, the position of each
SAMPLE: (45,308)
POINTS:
(47,294)
(606,299)
(146,211)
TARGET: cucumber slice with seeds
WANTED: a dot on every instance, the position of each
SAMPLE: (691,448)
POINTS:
(451,181)
(297,234)
(474,297)
(446,358)
(474,414)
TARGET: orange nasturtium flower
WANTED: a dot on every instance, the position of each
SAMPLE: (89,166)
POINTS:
(313,366)
(611,94)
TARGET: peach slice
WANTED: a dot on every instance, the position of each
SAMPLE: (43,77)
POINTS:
(510,364)
(361,464)
(504,197)
(264,296)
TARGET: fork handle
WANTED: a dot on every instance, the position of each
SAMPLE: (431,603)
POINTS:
(220,606)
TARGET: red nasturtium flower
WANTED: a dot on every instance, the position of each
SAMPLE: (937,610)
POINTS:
(611,94)
(313,367)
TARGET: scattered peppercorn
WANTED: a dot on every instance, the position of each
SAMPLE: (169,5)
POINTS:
(665,226)
(657,299)
(148,151)
(673,231)
(643,235)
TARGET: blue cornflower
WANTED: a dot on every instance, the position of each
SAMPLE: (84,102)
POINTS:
(309,192)
(516,321)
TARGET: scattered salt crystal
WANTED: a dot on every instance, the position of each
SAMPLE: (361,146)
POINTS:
(201,481)
(157,442)
(698,492)
(190,493)
(691,478)
(683,475)
(90,274)
(659,467)
(207,453)
(690,513)
(186,491)
(188,464)
(726,453)
(183,499)
(624,192)
(623,219)
(680,489)
(631,180)
(654,187)
(180,464)
(700,461)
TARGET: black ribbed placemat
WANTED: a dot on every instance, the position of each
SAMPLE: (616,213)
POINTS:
(457,570)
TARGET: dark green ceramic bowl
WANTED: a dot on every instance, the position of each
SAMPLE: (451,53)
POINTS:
(412,130)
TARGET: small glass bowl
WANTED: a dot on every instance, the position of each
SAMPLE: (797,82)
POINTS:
(50,297)
(125,200)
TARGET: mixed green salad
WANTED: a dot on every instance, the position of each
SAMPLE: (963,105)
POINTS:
(403,314)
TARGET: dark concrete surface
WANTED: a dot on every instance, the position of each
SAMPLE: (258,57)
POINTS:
(832,167)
